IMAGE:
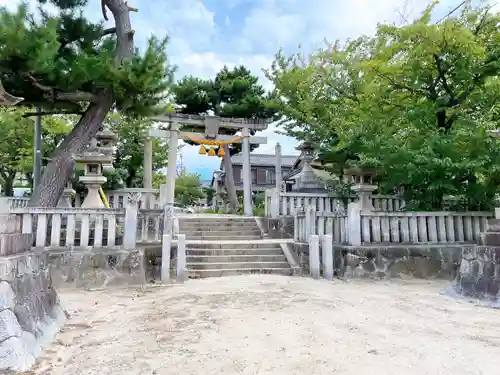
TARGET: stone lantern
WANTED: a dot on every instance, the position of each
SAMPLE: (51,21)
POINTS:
(93,160)
(362,178)
(306,180)
(106,140)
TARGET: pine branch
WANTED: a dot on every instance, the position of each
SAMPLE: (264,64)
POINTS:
(55,94)
(46,113)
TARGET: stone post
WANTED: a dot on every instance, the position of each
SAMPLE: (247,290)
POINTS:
(278,176)
(247,173)
(310,221)
(314,270)
(130,229)
(147,182)
(165,258)
(171,176)
(181,258)
(275,202)
(327,256)
(354,223)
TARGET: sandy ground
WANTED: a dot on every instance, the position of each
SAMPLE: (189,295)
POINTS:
(275,325)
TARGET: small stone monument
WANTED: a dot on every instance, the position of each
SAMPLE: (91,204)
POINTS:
(362,178)
(66,197)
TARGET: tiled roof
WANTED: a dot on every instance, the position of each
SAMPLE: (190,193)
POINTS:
(265,160)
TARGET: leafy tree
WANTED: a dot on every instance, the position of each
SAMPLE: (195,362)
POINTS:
(16,144)
(129,153)
(414,101)
(188,190)
(233,93)
(64,63)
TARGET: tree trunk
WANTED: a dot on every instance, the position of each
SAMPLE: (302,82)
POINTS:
(8,186)
(61,167)
(229,180)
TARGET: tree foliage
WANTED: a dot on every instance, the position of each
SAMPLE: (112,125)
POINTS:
(128,157)
(414,101)
(17,144)
(63,62)
(232,93)
(188,190)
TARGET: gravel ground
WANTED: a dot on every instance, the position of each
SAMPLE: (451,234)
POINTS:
(275,325)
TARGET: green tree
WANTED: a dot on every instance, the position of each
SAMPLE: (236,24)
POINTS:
(64,63)
(16,144)
(129,153)
(188,190)
(233,93)
(413,101)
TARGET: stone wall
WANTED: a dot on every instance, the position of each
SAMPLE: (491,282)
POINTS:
(479,273)
(419,261)
(30,313)
(97,268)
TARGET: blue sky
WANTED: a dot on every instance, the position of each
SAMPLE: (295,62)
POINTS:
(205,35)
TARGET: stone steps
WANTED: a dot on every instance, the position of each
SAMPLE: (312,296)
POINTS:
(223,233)
(228,236)
(235,265)
(235,252)
(235,272)
(241,245)
(230,246)
(210,259)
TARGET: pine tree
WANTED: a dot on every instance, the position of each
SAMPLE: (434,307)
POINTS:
(64,63)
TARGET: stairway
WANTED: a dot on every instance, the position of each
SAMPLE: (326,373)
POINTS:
(227,246)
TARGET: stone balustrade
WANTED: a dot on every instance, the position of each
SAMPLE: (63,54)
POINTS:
(285,204)
(357,227)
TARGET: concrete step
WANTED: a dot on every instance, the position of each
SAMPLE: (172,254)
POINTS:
(223,233)
(235,272)
(228,236)
(195,259)
(241,246)
(276,251)
(235,265)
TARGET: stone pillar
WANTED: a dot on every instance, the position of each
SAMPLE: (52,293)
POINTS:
(181,258)
(278,167)
(247,174)
(314,270)
(327,256)
(354,224)
(171,176)
(165,258)
(147,181)
(216,192)
(130,230)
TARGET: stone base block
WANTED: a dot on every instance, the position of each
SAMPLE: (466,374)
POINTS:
(98,269)
(378,262)
(15,243)
(479,273)
(30,313)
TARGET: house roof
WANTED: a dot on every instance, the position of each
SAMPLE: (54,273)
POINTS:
(265,160)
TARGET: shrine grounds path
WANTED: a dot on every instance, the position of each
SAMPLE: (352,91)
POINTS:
(275,325)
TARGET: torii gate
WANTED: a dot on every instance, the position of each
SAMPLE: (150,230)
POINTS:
(212,125)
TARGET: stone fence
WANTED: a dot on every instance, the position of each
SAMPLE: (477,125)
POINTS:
(279,204)
(356,227)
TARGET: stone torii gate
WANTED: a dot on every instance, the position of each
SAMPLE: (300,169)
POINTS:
(212,125)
